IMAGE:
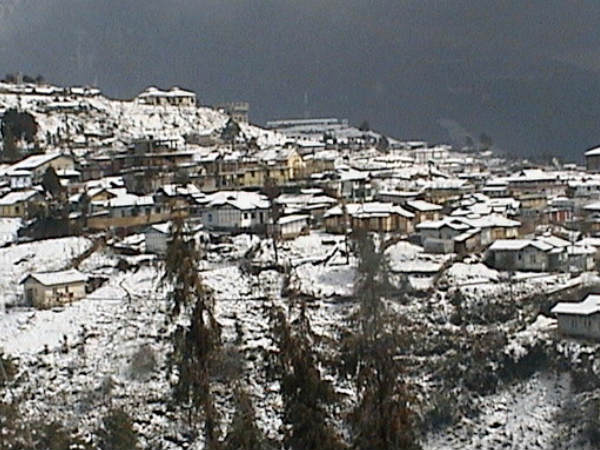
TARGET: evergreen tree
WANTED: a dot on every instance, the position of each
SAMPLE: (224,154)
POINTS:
(272,191)
(51,183)
(383,144)
(22,125)
(117,432)
(197,346)
(382,418)
(10,151)
(243,432)
(54,436)
(230,132)
(306,395)
(180,271)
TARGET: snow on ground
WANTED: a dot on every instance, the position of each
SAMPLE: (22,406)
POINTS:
(525,338)
(322,281)
(104,330)
(403,250)
(314,246)
(106,120)
(39,256)
(460,273)
(521,417)
(8,229)
(76,348)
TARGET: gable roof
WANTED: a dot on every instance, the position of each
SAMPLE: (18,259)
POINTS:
(423,206)
(370,209)
(34,161)
(18,196)
(595,151)
(55,278)
(241,200)
(589,305)
(518,244)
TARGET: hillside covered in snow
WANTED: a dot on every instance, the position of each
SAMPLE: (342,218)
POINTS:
(83,117)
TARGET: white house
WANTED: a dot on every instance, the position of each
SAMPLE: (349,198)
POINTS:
(44,290)
(20,179)
(236,211)
(38,164)
(173,97)
(580,319)
(157,238)
(292,226)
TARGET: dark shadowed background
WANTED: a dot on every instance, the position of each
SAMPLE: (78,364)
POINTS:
(527,73)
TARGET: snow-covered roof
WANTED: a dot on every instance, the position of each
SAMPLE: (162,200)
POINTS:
(423,206)
(238,199)
(18,196)
(593,152)
(172,190)
(293,218)
(594,206)
(590,241)
(19,173)
(492,221)
(554,241)
(370,209)
(163,228)
(347,174)
(34,161)
(589,305)
(455,224)
(175,91)
(130,200)
(467,234)
(70,276)
(518,244)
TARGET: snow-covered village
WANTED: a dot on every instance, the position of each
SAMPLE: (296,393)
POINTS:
(179,278)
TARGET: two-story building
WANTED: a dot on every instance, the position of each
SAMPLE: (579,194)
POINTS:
(236,211)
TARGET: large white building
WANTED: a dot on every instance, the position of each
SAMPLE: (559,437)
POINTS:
(173,97)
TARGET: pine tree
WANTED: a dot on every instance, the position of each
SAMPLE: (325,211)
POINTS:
(180,271)
(197,346)
(306,395)
(54,436)
(272,191)
(243,432)
(51,183)
(382,419)
(10,151)
(117,432)
(230,132)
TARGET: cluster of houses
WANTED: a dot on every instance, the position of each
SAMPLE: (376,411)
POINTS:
(225,188)
(329,176)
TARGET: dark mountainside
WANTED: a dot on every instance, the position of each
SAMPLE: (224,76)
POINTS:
(525,77)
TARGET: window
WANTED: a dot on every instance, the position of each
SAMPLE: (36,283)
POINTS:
(209,217)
